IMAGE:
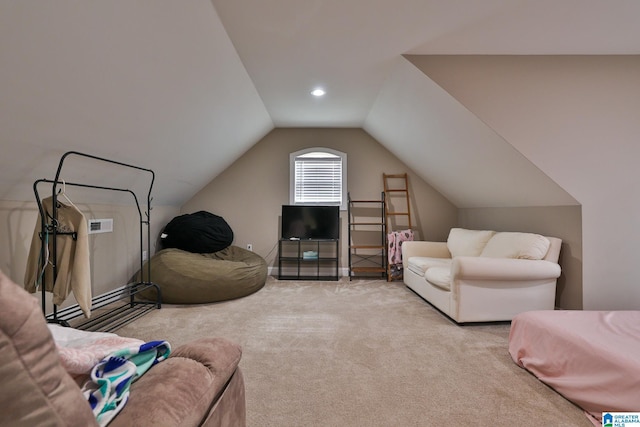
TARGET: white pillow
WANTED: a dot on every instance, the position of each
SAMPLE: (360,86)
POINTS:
(462,242)
(516,245)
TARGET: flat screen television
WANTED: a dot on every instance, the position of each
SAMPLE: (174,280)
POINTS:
(310,222)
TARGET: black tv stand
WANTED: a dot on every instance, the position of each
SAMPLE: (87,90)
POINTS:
(308,259)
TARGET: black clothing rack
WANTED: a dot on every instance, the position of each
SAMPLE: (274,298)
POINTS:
(119,306)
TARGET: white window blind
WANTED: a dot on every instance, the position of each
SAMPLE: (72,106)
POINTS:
(318,178)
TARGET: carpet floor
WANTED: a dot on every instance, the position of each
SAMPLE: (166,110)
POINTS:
(364,353)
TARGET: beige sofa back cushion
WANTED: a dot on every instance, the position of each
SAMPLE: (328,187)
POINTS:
(516,245)
(36,390)
(463,242)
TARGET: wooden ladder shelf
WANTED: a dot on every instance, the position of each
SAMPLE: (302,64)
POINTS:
(397,213)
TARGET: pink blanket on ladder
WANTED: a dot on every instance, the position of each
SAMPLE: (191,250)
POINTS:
(395,239)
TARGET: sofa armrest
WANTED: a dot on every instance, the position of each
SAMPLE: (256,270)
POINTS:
(183,389)
(425,249)
(219,355)
(503,269)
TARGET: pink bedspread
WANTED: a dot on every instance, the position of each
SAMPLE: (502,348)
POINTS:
(590,357)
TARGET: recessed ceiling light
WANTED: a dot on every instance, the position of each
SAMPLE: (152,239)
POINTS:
(318,92)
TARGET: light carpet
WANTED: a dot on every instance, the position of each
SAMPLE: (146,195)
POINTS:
(364,353)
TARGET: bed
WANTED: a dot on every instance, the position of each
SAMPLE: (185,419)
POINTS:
(592,358)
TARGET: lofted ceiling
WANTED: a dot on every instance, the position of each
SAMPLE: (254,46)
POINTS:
(185,88)
(351,47)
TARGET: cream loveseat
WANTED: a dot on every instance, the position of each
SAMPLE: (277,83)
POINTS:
(483,275)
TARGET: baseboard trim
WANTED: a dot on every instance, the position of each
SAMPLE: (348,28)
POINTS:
(273,271)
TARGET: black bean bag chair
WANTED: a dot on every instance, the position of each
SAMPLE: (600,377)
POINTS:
(200,232)
(190,278)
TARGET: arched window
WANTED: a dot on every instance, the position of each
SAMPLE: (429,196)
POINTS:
(318,176)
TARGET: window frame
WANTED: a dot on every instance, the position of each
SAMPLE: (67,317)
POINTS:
(292,176)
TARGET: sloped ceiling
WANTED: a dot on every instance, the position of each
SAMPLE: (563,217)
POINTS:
(185,88)
(153,83)
(452,149)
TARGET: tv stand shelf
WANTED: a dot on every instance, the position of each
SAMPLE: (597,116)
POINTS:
(308,259)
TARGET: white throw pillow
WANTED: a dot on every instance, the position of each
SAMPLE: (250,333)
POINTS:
(463,242)
(516,245)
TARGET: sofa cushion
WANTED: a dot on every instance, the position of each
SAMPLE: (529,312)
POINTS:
(439,276)
(516,245)
(420,264)
(36,389)
(463,242)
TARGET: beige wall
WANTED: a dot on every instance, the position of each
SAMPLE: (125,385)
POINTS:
(576,118)
(250,193)
(564,222)
(114,257)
